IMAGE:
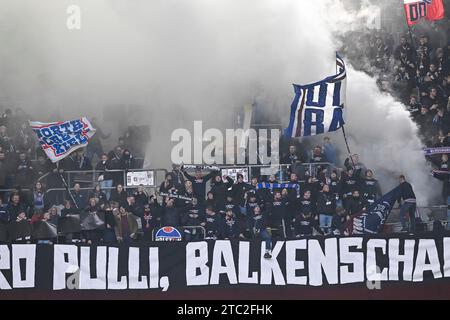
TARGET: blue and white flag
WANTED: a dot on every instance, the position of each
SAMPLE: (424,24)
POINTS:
(371,221)
(319,107)
(59,139)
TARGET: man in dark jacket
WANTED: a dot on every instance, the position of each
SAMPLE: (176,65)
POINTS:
(193,216)
(199,183)
(409,205)
(445,178)
(15,207)
(349,183)
(305,224)
(318,156)
(214,224)
(339,222)
(354,163)
(24,171)
(257,228)
(140,196)
(115,163)
(335,187)
(4,214)
(171,216)
(232,230)
(220,189)
(177,177)
(127,160)
(293,197)
(105,178)
(370,188)
(150,221)
(326,207)
(307,204)
(79,196)
(83,163)
(355,204)
(277,211)
(239,191)
(230,204)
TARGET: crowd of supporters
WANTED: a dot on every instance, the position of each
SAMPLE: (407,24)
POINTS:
(299,201)
(417,72)
(206,204)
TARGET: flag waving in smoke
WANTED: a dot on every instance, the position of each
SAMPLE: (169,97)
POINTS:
(429,9)
(371,221)
(59,139)
(319,107)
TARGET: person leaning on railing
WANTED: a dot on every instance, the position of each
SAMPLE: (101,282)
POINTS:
(105,179)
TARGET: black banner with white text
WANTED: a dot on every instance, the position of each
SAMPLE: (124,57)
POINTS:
(179,266)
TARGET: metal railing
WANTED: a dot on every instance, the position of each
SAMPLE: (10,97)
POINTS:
(91,176)
(280,170)
(428,217)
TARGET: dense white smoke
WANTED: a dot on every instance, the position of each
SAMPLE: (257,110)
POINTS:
(193,60)
(380,128)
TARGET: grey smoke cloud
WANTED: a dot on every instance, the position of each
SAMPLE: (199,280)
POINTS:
(192,60)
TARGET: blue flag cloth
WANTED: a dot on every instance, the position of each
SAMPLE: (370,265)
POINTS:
(376,215)
(319,107)
(272,186)
(59,139)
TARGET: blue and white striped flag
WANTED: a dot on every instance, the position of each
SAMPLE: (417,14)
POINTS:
(319,107)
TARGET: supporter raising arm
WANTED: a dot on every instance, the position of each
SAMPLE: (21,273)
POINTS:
(199,183)
(220,189)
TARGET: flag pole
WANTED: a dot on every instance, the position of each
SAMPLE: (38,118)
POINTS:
(348,146)
(343,132)
(68,190)
(66,186)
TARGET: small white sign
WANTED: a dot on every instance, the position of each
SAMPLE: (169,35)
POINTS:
(233,172)
(137,178)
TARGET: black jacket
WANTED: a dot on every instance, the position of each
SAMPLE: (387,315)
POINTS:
(231,229)
(349,184)
(277,211)
(239,191)
(102,167)
(304,226)
(307,205)
(370,189)
(326,204)
(199,185)
(220,190)
(257,222)
(171,217)
(214,226)
(121,198)
(354,205)
(406,192)
(338,223)
(194,215)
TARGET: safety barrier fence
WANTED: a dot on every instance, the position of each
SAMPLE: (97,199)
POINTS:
(133,178)
(41,231)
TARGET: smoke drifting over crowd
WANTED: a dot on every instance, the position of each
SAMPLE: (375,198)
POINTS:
(194,60)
